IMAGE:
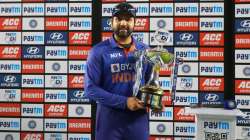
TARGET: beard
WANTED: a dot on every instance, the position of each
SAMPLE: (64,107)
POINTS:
(123,32)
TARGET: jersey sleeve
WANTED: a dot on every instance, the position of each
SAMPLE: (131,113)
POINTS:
(92,85)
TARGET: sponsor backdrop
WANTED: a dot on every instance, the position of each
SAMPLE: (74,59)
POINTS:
(197,30)
(242,65)
(43,49)
(44,46)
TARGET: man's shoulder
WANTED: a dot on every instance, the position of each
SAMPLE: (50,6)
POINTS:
(99,47)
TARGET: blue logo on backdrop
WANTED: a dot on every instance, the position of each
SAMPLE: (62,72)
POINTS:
(186,38)
(244,121)
(211,98)
(32,52)
(106,24)
(10,80)
(77,96)
(242,25)
(56,38)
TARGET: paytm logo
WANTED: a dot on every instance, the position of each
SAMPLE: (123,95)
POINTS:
(33,37)
(142,9)
(77,67)
(161,9)
(56,52)
(165,83)
(32,81)
(166,114)
(186,9)
(242,56)
(10,9)
(212,69)
(242,10)
(80,23)
(10,66)
(33,9)
(107,9)
(55,9)
(211,9)
(216,125)
(55,125)
(211,24)
(10,124)
(186,54)
(32,109)
(80,9)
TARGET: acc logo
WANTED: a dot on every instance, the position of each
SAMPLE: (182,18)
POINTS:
(212,39)
(141,24)
(186,37)
(212,97)
(76,81)
(10,23)
(80,38)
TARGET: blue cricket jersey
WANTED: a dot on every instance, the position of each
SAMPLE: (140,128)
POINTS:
(109,77)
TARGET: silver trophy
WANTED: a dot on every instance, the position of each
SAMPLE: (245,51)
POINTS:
(151,92)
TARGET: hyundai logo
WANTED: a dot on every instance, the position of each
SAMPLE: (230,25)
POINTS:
(109,22)
(212,97)
(186,36)
(245,23)
(246,71)
(9,78)
(79,94)
(33,50)
(56,36)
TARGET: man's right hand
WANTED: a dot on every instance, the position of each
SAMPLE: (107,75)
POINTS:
(134,104)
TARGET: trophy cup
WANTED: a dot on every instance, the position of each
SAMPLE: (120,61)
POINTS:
(151,92)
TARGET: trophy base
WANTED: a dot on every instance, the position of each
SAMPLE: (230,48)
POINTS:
(152,97)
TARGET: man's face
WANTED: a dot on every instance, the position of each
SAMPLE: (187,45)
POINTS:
(123,25)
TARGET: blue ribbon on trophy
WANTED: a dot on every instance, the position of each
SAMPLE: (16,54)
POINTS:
(151,92)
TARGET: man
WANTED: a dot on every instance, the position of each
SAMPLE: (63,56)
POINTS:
(110,79)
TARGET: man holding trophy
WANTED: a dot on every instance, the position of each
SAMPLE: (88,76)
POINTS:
(122,77)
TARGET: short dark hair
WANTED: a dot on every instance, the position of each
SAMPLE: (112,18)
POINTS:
(124,8)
